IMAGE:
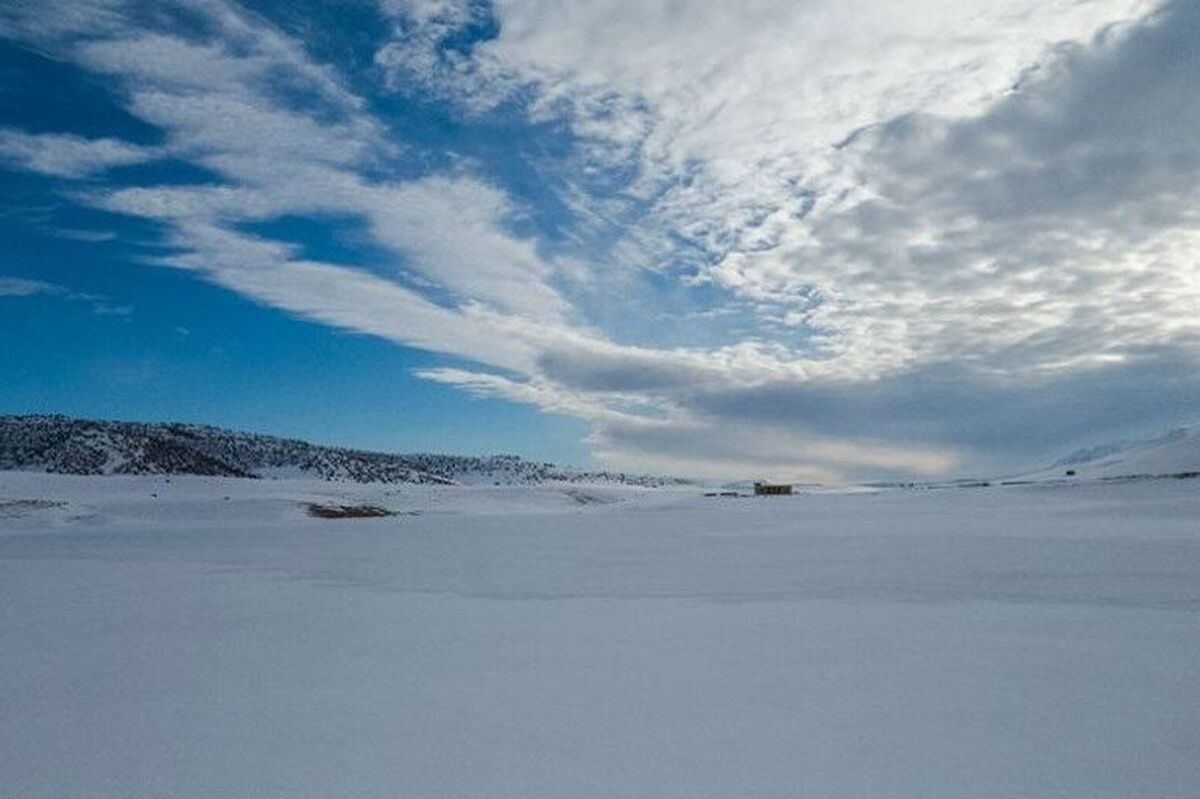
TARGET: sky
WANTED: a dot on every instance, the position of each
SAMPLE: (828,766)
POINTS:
(825,240)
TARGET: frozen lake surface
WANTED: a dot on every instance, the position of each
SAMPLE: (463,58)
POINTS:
(204,637)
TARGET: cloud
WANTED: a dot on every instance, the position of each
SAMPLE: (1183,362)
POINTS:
(681,438)
(961,251)
(20,287)
(886,233)
(1054,231)
(769,138)
(64,155)
(23,287)
(345,297)
(81,234)
(220,105)
(729,112)
(228,103)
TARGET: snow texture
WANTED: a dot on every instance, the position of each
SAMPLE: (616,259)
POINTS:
(204,636)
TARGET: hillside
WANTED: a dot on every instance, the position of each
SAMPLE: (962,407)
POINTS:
(1173,454)
(75,446)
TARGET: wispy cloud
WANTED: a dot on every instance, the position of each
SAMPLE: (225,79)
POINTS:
(20,287)
(23,287)
(897,202)
(1004,187)
(68,156)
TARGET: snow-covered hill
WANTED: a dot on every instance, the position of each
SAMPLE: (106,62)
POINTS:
(1174,454)
(75,446)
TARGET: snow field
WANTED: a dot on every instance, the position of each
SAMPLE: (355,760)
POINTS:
(1039,641)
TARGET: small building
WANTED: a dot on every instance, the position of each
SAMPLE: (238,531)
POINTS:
(772,489)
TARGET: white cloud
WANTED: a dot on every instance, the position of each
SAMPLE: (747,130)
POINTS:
(733,107)
(904,229)
(21,287)
(220,104)
(36,24)
(423,25)
(64,155)
(737,119)
(24,287)
(869,173)
(1056,230)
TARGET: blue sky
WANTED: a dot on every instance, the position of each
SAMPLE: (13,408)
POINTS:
(820,240)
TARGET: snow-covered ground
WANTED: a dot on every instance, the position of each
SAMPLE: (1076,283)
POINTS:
(205,637)
(1174,453)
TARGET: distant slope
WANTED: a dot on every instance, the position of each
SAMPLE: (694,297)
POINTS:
(77,446)
(1174,453)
